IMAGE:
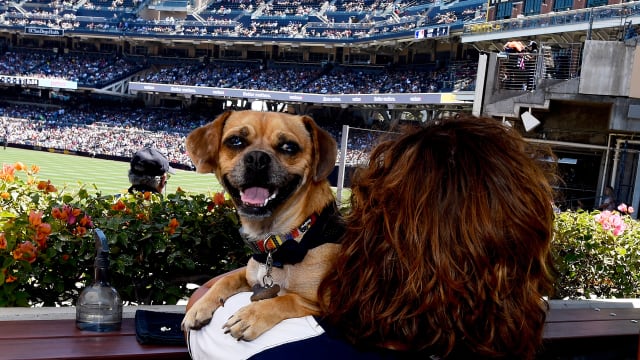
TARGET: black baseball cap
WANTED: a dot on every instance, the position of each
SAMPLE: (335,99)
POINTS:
(150,162)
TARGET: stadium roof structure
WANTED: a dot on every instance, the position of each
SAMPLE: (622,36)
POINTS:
(595,23)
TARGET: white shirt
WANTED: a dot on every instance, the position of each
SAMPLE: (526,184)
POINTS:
(211,342)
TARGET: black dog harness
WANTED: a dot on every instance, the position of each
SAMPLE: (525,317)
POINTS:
(324,228)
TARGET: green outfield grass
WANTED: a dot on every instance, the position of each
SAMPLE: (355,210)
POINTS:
(107,175)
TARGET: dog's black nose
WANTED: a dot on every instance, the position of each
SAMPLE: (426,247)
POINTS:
(257,160)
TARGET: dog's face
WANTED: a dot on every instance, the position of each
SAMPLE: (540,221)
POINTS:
(266,160)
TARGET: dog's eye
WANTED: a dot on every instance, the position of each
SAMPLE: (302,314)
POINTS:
(234,142)
(290,148)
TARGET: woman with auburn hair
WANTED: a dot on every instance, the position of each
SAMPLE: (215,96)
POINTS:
(446,255)
(447,247)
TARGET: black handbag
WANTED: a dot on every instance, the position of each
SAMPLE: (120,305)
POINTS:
(160,328)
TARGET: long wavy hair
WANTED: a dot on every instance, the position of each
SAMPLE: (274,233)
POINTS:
(447,247)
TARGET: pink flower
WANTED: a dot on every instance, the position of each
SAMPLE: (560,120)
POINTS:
(611,221)
(623,208)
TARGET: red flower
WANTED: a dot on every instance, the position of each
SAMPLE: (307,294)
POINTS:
(218,198)
(3,241)
(42,185)
(119,206)
(56,213)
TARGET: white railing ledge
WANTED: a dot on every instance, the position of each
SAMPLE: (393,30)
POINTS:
(595,303)
(69,312)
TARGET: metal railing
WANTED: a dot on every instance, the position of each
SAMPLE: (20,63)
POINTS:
(524,71)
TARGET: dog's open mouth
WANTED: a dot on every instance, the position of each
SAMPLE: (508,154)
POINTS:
(257,196)
(260,200)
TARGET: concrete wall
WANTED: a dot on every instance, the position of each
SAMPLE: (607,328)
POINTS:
(606,68)
(634,91)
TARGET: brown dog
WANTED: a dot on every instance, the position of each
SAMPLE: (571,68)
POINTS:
(275,168)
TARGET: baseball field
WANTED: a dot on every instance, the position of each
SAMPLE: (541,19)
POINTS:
(105,176)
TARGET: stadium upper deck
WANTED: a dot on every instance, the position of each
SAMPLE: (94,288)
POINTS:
(315,21)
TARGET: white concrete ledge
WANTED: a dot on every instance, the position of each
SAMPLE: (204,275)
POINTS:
(69,312)
(595,303)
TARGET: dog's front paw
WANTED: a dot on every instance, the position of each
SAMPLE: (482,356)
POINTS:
(199,315)
(248,323)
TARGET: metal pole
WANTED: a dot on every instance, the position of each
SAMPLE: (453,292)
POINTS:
(342,164)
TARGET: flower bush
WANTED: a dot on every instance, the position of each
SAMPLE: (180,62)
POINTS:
(158,244)
(597,254)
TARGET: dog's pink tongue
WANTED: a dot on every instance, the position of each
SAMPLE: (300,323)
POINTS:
(255,195)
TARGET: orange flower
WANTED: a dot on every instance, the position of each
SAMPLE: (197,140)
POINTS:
(147,195)
(7,173)
(19,166)
(140,216)
(118,206)
(173,225)
(86,221)
(50,188)
(10,279)
(56,213)
(5,195)
(35,169)
(46,186)
(35,218)
(79,231)
(25,251)
(3,241)
(42,234)
(218,198)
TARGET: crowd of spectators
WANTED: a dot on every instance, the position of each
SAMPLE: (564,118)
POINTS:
(120,131)
(321,80)
(89,70)
(93,70)
(254,18)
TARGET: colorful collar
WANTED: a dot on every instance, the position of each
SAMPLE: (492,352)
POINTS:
(272,242)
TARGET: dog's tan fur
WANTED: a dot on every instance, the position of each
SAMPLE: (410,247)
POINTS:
(211,147)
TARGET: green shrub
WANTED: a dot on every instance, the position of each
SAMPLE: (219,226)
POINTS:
(597,254)
(158,244)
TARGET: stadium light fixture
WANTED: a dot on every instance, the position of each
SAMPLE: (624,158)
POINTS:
(529,121)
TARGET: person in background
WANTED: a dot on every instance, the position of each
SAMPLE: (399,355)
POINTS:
(609,202)
(149,171)
(446,255)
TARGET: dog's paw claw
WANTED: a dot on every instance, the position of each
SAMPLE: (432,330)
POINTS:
(196,318)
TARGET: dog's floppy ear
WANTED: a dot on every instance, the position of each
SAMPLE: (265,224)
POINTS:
(325,149)
(203,144)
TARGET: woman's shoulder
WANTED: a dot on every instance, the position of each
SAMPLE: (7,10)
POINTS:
(325,347)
